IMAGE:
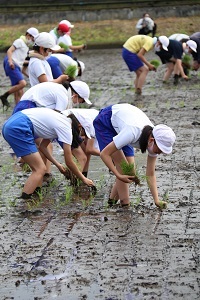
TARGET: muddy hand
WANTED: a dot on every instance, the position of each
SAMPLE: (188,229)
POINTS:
(136,180)
(161,204)
(126,178)
(88,181)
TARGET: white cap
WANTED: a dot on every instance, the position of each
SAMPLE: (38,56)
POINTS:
(33,31)
(164,137)
(67,23)
(45,39)
(192,45)
(85,117)
(81,65)
(164,41)
(82,89)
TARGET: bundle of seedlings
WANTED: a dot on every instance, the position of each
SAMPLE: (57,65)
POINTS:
(155,63)
(187,63)
(64,46)
(71,71)
(129,169)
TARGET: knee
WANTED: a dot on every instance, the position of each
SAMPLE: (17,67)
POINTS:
(22,84)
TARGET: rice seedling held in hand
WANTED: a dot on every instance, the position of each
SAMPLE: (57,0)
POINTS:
(155,63)
(71,71)
(129,169)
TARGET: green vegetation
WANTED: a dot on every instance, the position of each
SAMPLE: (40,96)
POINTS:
(71,71)
(101,33)
(155,63)
(129,169)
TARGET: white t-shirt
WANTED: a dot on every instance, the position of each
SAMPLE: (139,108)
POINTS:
(21,52)
(49,124)
(128,121)
(65,61)
(179,36)
(38,67)
(49,94)
(65,39)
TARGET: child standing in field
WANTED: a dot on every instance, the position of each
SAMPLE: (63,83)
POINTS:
(133,53)
(13,64)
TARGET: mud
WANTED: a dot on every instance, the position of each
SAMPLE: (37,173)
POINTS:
(71,245)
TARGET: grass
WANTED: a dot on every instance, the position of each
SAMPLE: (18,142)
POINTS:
(98,33)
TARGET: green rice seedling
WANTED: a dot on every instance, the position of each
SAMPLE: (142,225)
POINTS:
(26,168)
(129,169)
(62,45)
(181,104)
(155,63)
(71,71)
(187,60)
(162,204)
(165,199)
(68,194)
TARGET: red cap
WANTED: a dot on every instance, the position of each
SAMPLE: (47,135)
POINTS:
(63,27)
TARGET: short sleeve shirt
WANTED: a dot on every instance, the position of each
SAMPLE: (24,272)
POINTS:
(38,67)
(49,124)
(49,94)
(175,50)
(19,55)
(137,42)
(128,121)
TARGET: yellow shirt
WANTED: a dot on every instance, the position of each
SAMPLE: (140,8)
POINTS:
(136,42)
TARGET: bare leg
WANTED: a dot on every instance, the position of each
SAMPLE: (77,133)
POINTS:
(169,70)
(120,189)
(18,95)
(38,168)
(141,75)
(46,161)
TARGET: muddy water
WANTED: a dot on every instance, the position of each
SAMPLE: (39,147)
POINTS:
(71,246)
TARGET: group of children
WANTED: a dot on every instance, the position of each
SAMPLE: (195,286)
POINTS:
(171,51)
(48,111)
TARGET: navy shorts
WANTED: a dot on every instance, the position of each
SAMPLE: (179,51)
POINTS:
(132,60)
(19,133)
(55,66)
(15,74)
(24,104)
(105,132)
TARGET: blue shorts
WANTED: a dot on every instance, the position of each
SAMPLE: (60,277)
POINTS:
(19,133)
(55,66)
(69,53)
(24,104)
(105,132)
(15,74)
(132,60)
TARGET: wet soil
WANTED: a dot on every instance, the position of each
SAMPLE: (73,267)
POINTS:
(70,245)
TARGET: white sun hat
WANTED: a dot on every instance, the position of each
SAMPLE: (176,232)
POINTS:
(85,116)
(33,31)
(67,23)
(45,39)
(164,137)
(164,41)
(82,89)
(192,45)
